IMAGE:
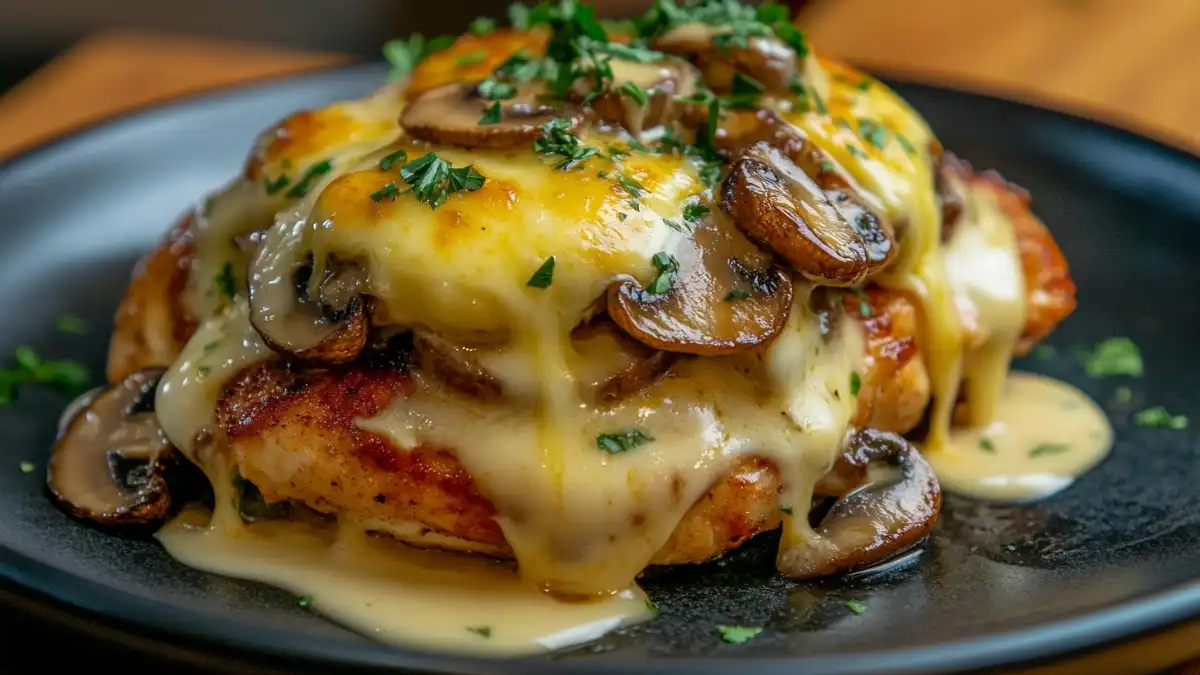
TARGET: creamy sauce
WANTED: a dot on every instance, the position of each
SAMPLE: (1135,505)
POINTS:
(1044,434)
(398,594)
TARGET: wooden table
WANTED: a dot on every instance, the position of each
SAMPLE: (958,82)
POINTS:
(1135,64)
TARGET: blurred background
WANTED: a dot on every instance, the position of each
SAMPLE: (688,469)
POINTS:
(66,62)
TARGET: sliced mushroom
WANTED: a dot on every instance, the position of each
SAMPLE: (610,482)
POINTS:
(451,114)
(328,327)
(767,60)
(109,460)
(455,365)
(829,235)
(661,82)
(726,296)
(613,365)
(873,523)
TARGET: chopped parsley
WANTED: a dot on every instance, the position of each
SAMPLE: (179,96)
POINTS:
(736,635)
(873,133)
(905,143)
(314,172)
(986,445)
(864,304)
(1158,417)
(392,159)
(482,25)
(433,180)
(622,441)
(856,151)
(225,282)
(495,90)
(673,225)
(556,139)
(746,92)
(544,274)
(635,92)
(274,186)
(694,211)
(28,467)
(856,606)
(389,191)
(69,323)
(69,377)
(1124,394)
(667,267)
(786,508)
(491,115)
(1043,449)
(634,188)
(471,59)
(481,631)
(304,600)
(403,55)
(651,606)
(855,382)
(1114,356)
(736,294)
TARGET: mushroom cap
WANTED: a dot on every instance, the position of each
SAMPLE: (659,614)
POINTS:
(89,472)
(873,523)
(702,312)
(661,81)
(329,329)
(767,60)
(828,235)
(451,114)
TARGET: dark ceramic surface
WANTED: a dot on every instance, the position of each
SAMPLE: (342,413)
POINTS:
(1116,555)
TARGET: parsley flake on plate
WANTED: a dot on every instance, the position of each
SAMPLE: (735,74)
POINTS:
(736,635)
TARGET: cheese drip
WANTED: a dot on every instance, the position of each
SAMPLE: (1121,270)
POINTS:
(584,521)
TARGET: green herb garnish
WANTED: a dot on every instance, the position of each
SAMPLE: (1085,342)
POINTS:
(1159,417)
(28,467)
(736,294)
(404,55)
(738,634)
(1114,356)
(433,180)
(491,115)
(635,92)
(69,323)
(855,383)
(481,631)
(482,25)
(314,172)
(622,441)
(556,139)
(274,186)
(389,191)
(392,159)
(694,211)
(786,509)
(634,188)
(470,59)
(225,282)
(544,274)
(1043,449)
(70,377)
(304,600)
(1124,394)
(667,267)
(856,606)
(986,445)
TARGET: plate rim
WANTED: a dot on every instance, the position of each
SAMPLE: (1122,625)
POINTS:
(1081,632)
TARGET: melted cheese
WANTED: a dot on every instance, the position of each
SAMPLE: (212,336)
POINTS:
(581,521)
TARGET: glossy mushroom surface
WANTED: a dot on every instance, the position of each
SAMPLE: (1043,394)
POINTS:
(723,295)
(454,114)
(108,462)
(872,523)
(827,235)
(321,321)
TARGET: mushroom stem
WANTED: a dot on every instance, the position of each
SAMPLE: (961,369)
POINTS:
(873,523)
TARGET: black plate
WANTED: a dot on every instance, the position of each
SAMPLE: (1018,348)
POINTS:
(1114,556)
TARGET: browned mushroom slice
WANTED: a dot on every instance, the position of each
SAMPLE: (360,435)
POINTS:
(614,366)
(829,235)
(453,114)
(328,328)
(724,295)
(455,365)
(107,464)
(643,95)
(873,523)
(767,60)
